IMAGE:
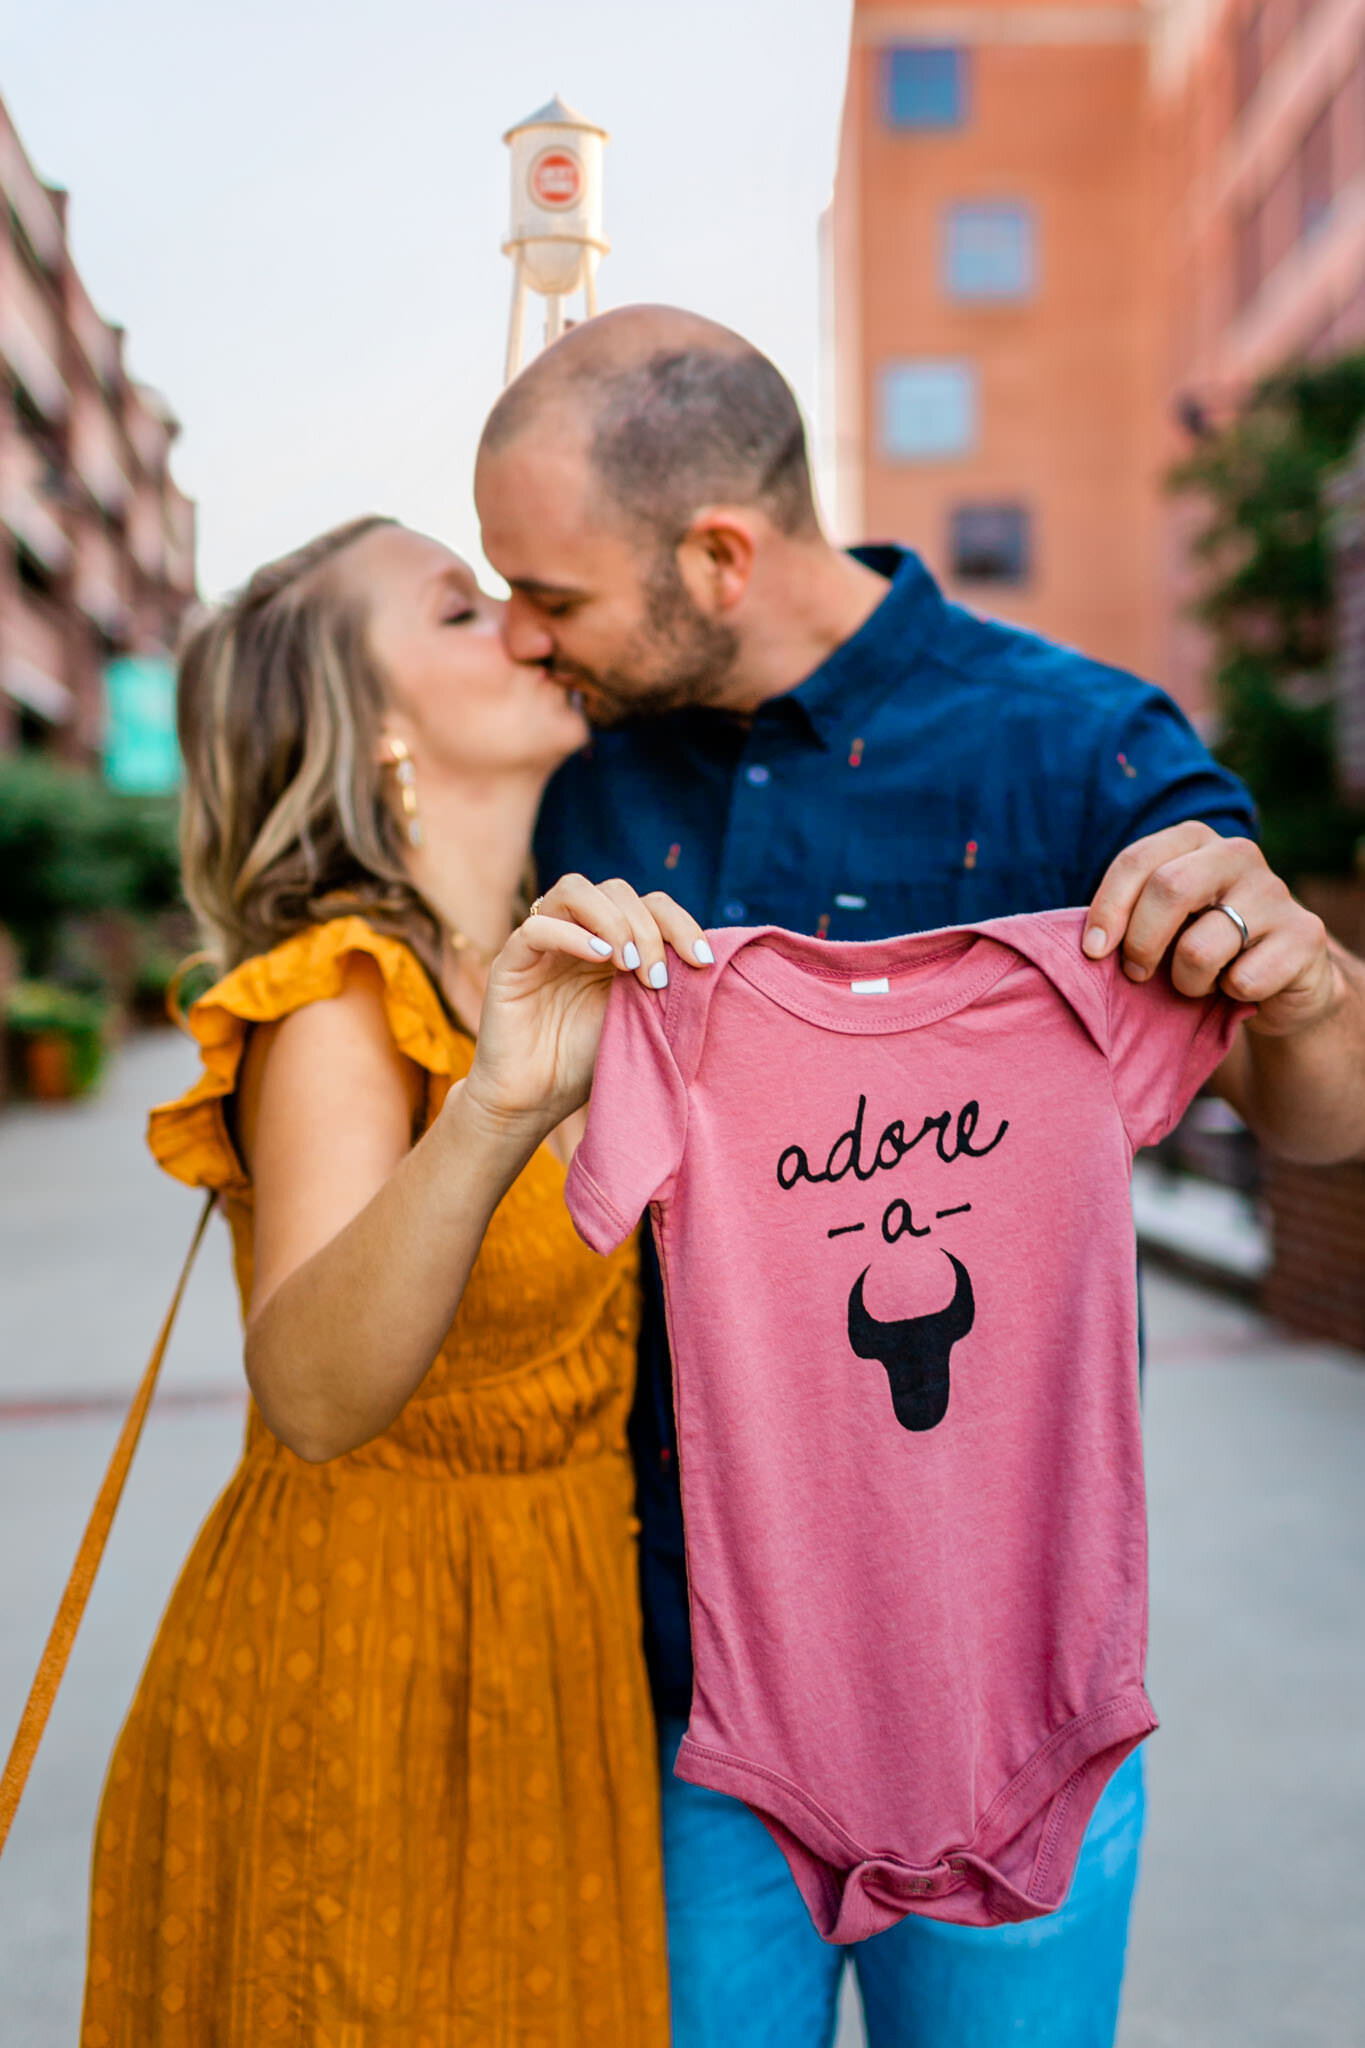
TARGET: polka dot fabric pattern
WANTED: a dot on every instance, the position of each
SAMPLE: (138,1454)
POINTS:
(389,1777)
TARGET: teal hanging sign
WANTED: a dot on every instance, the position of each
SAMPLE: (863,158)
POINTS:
(140,750)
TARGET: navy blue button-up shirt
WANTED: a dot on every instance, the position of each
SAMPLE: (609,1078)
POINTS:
(939,768)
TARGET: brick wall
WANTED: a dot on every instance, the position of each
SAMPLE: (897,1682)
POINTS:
(1317,1281)
(9,974)
(1350,676)
(1347,498)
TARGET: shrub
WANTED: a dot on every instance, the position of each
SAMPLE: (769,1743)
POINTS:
(70,847)
(1269,603)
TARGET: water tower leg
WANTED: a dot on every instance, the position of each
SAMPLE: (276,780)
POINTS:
(554,318)
(590,293)
(517,324)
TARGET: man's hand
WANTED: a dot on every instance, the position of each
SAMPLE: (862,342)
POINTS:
(1156,898)
(1296,1070)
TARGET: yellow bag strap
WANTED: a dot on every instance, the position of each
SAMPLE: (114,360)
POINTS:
(53,1663)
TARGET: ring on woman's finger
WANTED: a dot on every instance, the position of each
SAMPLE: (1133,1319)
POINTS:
(1238,920)
(535,909)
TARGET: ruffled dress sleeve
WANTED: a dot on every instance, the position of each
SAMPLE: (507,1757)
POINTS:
(191,1137)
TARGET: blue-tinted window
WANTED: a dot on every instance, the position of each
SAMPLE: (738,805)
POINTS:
(989,252)
(989,544)
(925,86)
(928,411)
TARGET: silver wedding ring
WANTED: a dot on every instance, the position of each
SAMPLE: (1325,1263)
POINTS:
(1238,920)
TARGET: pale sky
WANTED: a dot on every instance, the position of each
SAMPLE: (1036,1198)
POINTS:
(296,210)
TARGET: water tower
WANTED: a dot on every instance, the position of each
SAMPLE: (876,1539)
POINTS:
(555,238)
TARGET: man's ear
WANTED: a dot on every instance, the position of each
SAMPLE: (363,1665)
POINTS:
(716,557)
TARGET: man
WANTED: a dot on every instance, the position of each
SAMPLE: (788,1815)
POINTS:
(799,736)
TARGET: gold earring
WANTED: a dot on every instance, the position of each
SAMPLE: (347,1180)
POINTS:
(401,762)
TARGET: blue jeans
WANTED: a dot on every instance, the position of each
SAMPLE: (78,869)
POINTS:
(749,1970)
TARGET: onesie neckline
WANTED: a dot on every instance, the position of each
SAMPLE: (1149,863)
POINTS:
(931,975)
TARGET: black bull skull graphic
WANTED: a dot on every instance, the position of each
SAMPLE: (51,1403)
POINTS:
(915,1352)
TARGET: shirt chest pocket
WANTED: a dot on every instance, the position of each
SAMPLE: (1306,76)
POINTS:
(929,861)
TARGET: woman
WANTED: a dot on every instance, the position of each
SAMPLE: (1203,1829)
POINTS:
(388,1778)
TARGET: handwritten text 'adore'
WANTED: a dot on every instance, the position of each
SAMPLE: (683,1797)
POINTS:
(953,1139)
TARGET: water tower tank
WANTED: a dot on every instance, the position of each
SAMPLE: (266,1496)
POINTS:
(555,234)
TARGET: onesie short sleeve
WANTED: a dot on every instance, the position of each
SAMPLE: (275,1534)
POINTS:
(1162,1048)
(190,1137)
(637,1120)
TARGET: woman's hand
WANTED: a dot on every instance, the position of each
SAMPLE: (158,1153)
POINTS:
(365,1241)
(547,994)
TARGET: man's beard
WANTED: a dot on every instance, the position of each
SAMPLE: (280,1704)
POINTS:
(676,657)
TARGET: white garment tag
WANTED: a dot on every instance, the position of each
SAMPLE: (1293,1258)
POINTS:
(881,987)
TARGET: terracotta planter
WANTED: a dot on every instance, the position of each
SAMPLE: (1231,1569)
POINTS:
(48,1068)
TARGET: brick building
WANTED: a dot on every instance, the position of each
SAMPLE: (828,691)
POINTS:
(96,540)
(991,316)
(1257,150)
(1063,232)
(1258,112)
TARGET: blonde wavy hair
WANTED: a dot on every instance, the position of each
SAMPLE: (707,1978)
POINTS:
(284,819)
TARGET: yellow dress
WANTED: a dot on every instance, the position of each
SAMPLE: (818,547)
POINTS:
(389,1779)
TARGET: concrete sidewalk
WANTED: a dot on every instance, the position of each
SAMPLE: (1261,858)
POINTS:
(92,1235)
(1248,1928)
(1248,1924)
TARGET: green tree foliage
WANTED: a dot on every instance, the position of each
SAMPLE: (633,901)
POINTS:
(1269,602)
(70,847)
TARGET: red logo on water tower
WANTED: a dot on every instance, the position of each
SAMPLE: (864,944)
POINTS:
(556,179)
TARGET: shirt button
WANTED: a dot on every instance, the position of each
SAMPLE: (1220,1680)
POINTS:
(735,912)
(757,775)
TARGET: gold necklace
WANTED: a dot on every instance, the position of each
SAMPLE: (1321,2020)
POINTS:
(460,943)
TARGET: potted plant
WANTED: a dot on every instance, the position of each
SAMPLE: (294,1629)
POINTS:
(59,1037)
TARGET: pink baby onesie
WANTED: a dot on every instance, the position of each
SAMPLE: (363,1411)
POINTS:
(890,1187)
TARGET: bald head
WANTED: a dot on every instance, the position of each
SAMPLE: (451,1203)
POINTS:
(673,413)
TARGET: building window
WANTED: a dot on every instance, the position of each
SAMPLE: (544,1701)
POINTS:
(925,86)
(26,252)
(928,411)
(1316,182)
(1248,57)
(989,252)
(989,544)
(1323,345)
(1247,269)
(1280,222)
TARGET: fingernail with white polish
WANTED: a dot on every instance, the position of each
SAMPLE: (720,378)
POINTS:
(658,975)
(602,946)
(1094,942)
(631,955)
(703,952)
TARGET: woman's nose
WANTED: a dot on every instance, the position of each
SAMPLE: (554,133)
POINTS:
(523,635)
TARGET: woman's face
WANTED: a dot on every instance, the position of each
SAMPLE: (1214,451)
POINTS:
(456,697)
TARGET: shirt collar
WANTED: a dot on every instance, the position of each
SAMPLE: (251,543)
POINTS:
(835,696)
